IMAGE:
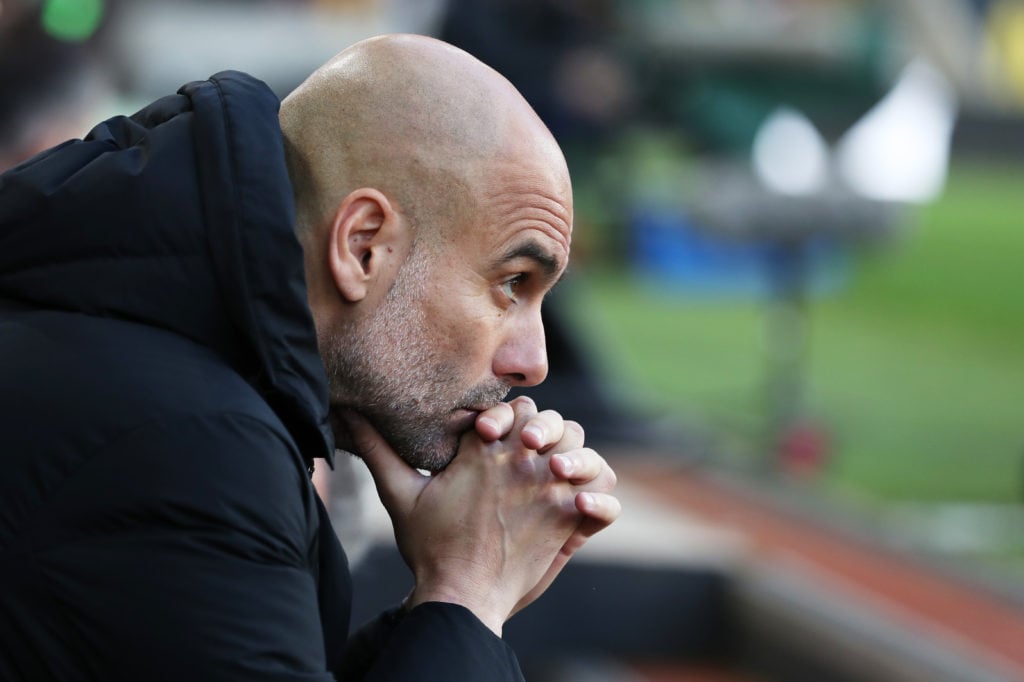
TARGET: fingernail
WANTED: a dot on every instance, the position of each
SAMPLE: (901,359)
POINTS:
(587,499)
(488,422)
(537,432)
(565,463)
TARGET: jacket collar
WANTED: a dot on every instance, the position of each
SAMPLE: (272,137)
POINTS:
(181,217)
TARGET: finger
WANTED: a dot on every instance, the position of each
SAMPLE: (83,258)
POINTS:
(600,509)
(543,430)
(398,484)
(523,403)
(572,438)
(495,423)
(322,484)
(524,409)
(584,467)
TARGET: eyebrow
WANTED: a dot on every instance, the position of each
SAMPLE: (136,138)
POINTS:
(532,250)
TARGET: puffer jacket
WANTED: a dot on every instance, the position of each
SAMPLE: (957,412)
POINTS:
(161,403)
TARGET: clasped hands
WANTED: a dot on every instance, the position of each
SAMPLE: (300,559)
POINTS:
(494,529)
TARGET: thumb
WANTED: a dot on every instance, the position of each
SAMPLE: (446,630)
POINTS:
(398,484)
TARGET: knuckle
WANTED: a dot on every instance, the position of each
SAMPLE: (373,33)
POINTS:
(524,464)
(499,411)
(613,480)
(554,496)
(550,416)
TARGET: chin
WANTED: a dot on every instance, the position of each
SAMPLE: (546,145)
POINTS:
(435,458)
(426,445)
(435,463)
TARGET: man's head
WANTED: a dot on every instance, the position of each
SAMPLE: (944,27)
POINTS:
(435,212)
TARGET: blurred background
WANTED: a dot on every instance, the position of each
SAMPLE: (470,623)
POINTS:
(794,321)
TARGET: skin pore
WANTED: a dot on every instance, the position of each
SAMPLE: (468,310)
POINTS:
(434,209)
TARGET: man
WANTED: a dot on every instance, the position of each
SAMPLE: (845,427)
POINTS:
(162,384)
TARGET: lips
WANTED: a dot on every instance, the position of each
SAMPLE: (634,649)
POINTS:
(464,418)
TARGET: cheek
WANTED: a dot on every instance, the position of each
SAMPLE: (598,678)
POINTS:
(466,331)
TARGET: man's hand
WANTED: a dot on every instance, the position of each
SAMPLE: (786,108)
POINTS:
(562,440)
(493,530)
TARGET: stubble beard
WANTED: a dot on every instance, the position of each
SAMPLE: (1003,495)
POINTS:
(389,370)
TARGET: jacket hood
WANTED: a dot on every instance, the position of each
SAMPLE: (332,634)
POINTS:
(179,217)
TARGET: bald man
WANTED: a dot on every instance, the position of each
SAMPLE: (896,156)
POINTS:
(199,300)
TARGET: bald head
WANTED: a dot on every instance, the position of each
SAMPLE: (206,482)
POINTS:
(415,118)
(435,212)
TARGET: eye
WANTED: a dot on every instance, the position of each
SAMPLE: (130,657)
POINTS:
(510,287)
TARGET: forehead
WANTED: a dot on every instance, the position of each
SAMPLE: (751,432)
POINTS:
(520,205)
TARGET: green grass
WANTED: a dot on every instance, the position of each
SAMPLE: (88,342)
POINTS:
(917,367)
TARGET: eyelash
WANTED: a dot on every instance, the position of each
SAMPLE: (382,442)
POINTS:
(509,286)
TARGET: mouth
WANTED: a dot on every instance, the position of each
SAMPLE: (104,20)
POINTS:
(464,418)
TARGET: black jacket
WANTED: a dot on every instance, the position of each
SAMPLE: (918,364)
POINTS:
(161,402)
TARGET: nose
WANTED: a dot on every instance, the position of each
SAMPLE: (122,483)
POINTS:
(522,357)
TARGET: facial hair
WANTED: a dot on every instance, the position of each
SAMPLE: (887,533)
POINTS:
(390,369)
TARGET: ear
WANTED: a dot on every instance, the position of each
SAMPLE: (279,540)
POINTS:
(363,238)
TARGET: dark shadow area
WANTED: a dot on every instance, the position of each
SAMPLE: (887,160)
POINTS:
(611,611)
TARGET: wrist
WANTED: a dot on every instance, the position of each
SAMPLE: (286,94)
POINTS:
(492,618)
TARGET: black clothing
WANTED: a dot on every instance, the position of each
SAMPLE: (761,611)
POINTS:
(161,402)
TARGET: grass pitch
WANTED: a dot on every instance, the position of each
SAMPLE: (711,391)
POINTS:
(916,368)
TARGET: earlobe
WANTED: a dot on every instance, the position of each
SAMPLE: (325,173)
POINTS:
(359,239)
